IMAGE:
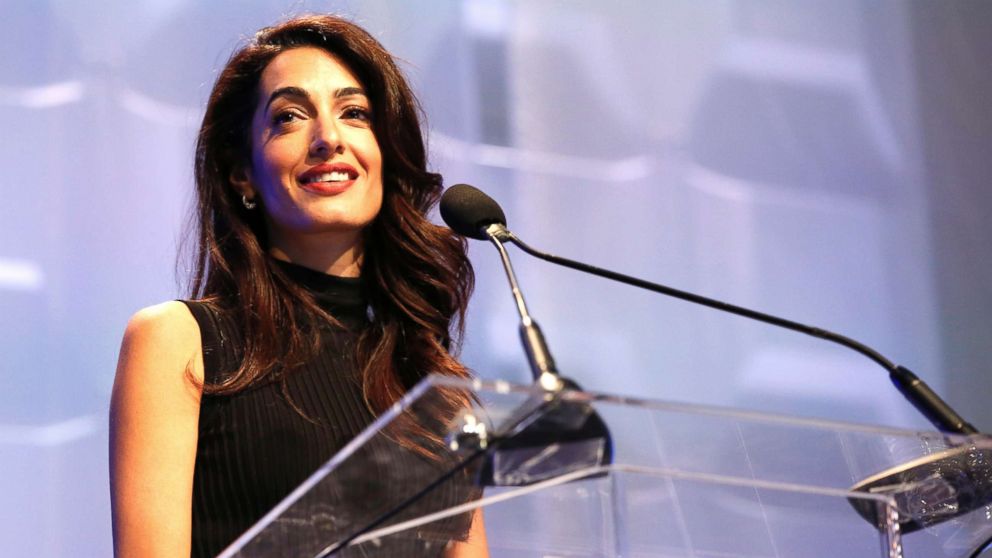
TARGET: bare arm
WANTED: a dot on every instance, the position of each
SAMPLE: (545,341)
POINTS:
(154,414)
(475,545)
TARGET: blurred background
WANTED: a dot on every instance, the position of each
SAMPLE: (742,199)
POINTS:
(824,161)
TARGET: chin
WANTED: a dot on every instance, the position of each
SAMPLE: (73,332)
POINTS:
(340,226)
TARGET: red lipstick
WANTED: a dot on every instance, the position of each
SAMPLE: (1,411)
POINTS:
(328,179)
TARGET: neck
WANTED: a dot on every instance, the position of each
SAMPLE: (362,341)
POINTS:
(336,254)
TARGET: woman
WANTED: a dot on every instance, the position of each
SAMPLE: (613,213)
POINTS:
(321,294)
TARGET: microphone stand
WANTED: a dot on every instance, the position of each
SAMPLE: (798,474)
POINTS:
(935,487)
(573,430)
(542,365)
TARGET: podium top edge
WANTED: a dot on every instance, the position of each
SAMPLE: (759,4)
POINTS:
(503,387)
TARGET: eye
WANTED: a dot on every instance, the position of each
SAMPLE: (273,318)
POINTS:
(356,112)
(286,117)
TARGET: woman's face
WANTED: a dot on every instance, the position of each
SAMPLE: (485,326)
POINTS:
(315,162)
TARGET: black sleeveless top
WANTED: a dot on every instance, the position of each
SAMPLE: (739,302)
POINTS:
(253,447)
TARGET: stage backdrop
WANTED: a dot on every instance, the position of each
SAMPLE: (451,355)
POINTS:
(825,161)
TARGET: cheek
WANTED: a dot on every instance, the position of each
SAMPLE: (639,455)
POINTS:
(377,199)
(272,166)
(371,155)
(373,164)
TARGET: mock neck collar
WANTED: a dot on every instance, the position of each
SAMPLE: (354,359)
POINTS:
(342,297)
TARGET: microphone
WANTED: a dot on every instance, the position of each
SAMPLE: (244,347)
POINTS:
(518,456)
(471,213)
(468,211)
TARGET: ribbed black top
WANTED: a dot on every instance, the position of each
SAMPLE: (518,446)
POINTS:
(253,447)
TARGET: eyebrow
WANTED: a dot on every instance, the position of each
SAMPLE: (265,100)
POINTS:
(293,91)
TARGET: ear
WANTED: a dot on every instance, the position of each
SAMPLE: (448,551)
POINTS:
(240,179)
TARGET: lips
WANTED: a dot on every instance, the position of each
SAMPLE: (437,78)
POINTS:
(328,178)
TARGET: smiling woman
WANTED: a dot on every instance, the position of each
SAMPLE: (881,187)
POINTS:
(317,167)
(321,294)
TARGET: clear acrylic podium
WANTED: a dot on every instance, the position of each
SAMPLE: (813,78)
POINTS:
(683,481)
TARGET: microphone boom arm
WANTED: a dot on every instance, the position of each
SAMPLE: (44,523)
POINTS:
(935,409)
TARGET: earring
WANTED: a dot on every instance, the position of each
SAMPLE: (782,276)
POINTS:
(249,204)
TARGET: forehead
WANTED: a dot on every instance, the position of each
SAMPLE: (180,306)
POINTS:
(311,68)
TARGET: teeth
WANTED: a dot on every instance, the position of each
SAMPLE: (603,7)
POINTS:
(336,176)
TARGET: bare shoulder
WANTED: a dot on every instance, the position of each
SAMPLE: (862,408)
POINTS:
(163,336)
(171,320)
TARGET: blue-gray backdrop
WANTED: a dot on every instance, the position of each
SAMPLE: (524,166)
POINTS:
(826,161)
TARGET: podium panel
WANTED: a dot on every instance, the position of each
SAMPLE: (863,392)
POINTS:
(578,474)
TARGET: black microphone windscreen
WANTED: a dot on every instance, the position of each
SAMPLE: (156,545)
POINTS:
(468,211)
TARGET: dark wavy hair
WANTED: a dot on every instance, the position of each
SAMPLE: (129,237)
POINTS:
(417,274)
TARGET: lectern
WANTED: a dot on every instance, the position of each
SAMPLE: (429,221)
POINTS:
(661,480)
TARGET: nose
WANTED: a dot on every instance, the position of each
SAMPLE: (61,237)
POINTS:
(326,139)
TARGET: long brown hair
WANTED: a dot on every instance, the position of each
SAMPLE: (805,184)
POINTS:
(417,274)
